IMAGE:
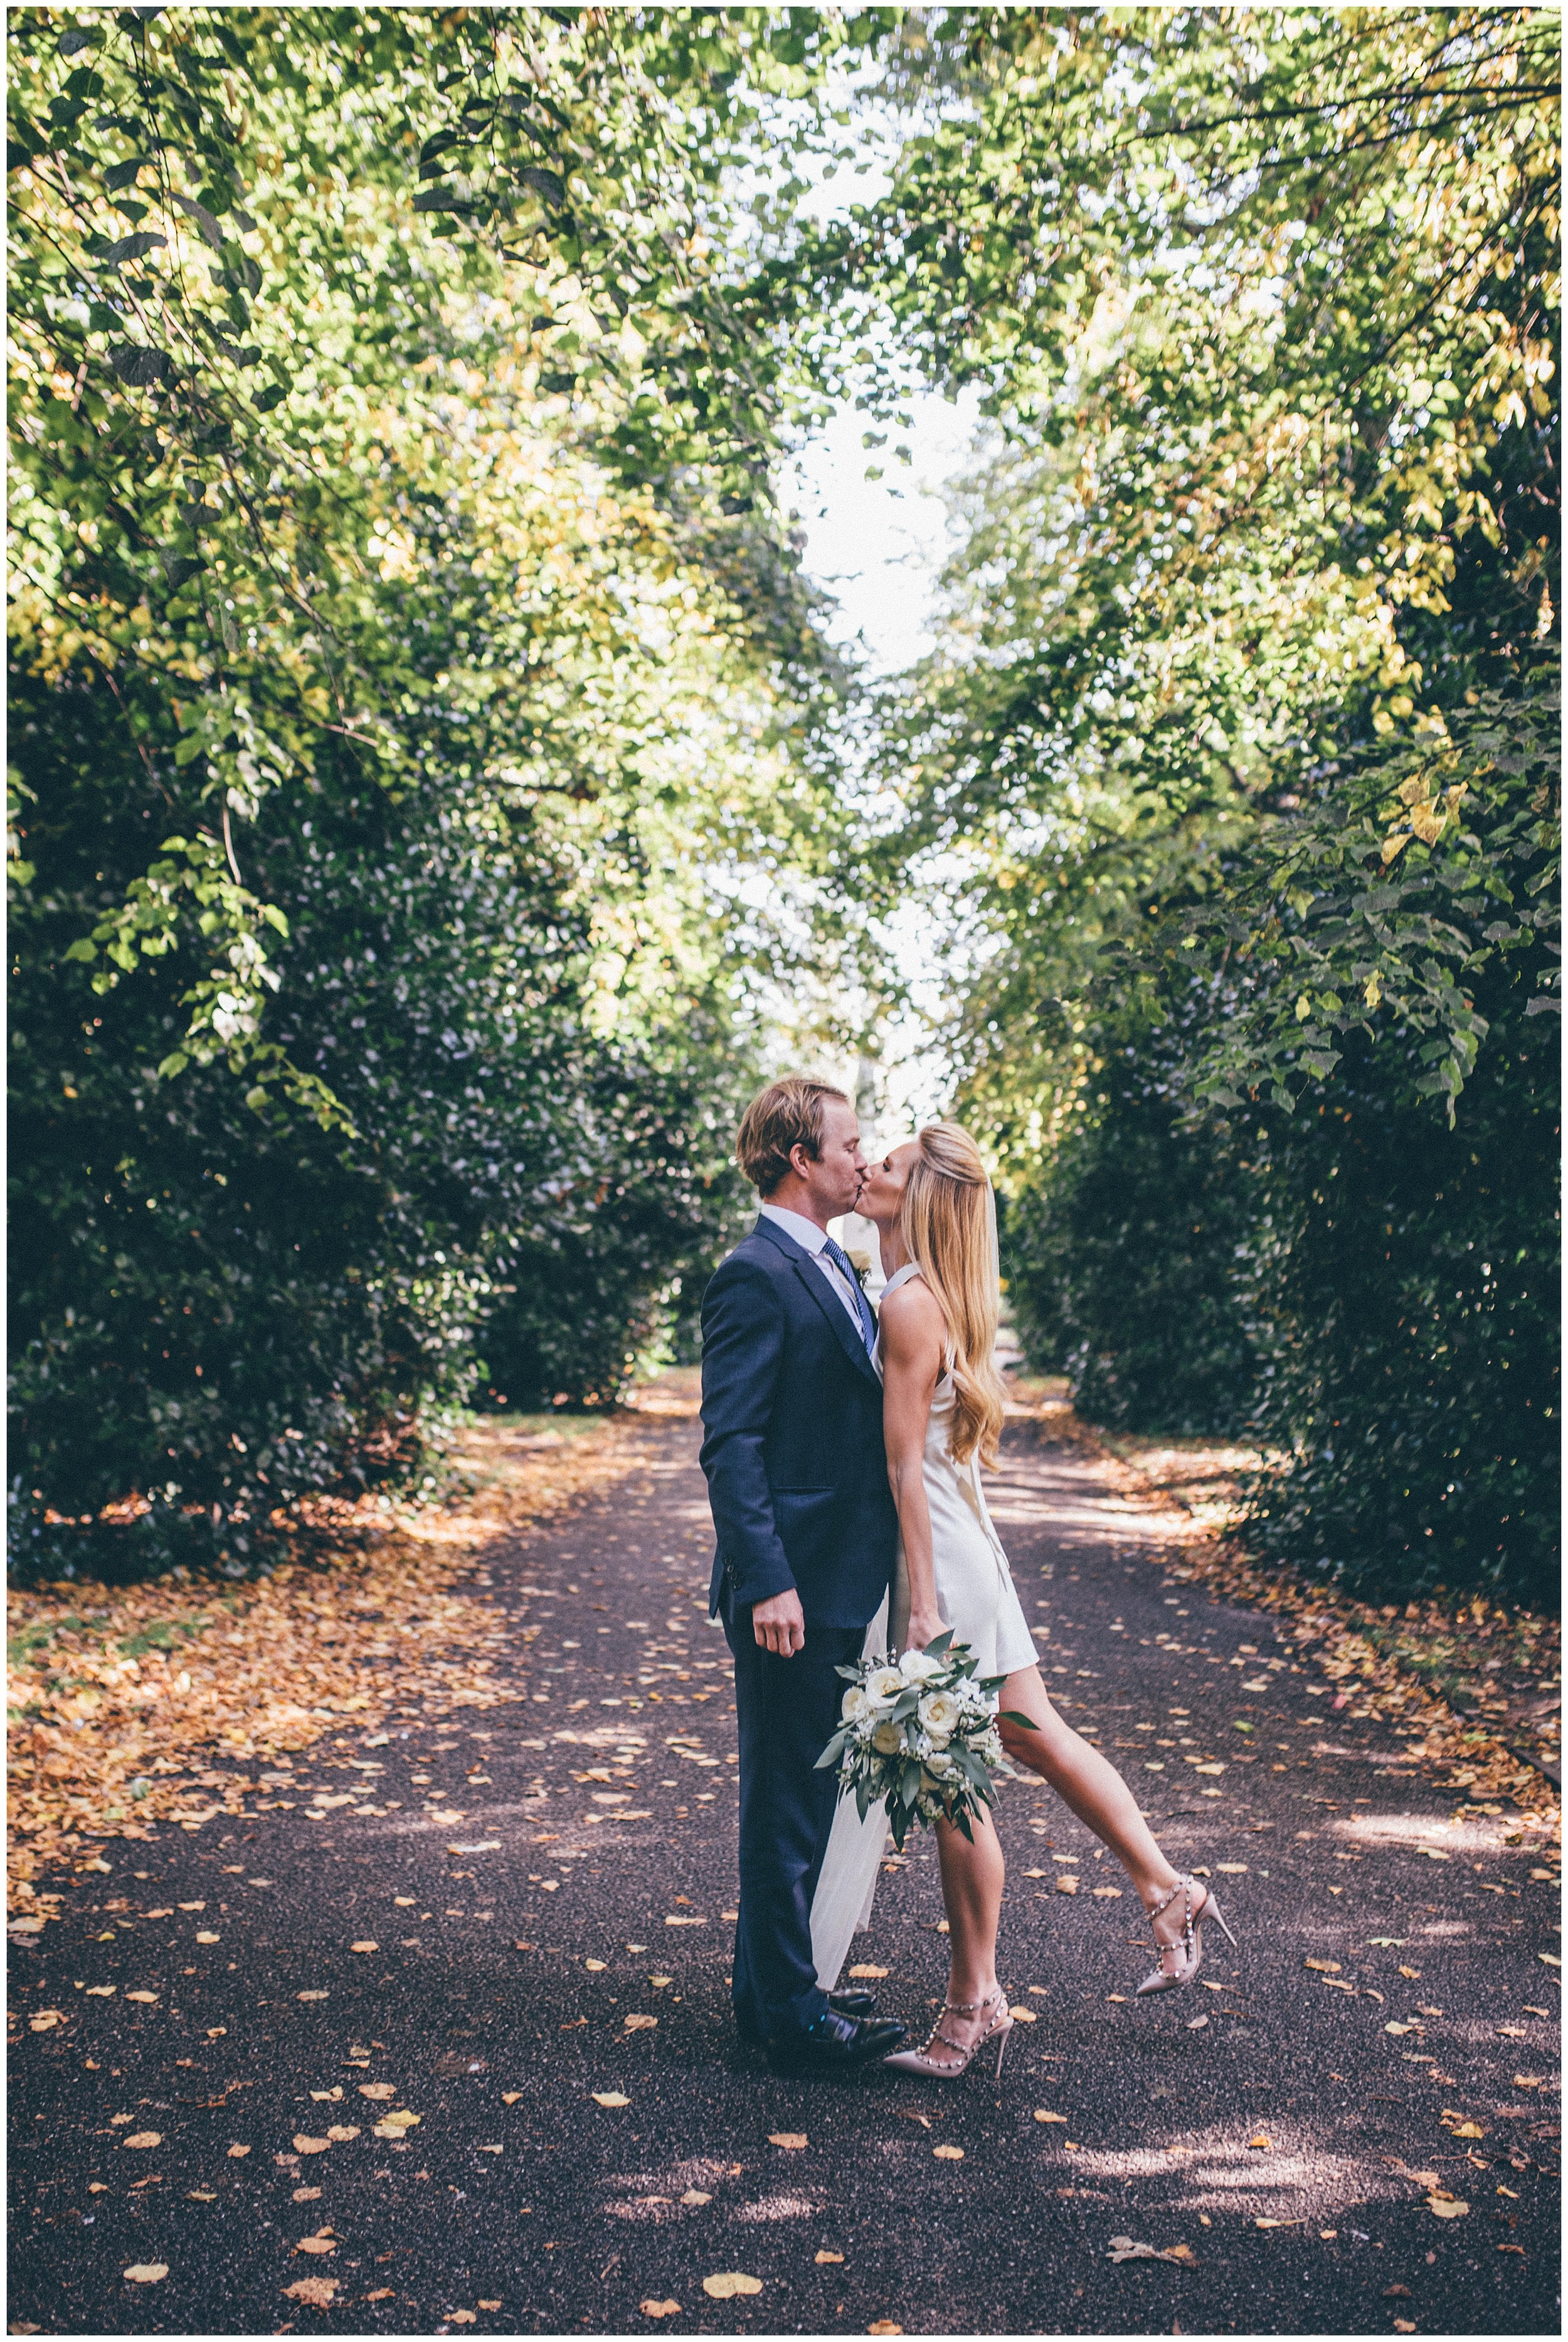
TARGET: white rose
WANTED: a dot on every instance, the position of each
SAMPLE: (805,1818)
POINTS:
(855,1705)
(939,1713)
(887,1739)
(918,1666)
(886,1686)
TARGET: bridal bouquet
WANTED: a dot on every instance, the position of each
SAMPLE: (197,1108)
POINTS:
(920,1731)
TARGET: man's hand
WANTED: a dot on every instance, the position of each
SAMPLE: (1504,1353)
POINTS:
(779,1623)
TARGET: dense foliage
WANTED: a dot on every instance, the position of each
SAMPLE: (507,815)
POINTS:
(429,776)
(411,674)
(1235,770)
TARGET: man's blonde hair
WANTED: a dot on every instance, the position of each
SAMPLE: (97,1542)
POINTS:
(786,1114)
(949,1225)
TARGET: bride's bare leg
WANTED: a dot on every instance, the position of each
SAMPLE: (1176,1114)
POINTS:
(1093,1789)
(972,1880)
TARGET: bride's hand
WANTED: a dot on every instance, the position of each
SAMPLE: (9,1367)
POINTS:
(925,1626)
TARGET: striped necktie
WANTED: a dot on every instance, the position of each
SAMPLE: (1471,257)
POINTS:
(845,1267)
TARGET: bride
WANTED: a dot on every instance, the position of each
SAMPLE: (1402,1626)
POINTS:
(931,1204)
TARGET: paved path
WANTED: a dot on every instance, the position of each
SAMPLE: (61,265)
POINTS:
(591,2139)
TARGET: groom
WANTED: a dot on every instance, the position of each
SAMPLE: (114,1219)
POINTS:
(806,1529)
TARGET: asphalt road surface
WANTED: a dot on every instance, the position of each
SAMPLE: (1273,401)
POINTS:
(591,2140)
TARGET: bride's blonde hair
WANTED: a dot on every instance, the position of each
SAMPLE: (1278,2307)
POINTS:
(949,1227)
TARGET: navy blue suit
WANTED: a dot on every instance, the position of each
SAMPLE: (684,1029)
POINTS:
(797,1479)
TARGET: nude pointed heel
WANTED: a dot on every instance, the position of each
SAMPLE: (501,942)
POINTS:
(1188,1948)
(916,2061)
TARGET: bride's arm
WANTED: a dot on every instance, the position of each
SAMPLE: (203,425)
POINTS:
(912,1336)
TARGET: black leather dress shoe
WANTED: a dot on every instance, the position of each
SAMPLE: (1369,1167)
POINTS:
(834,2044)
(855,2003)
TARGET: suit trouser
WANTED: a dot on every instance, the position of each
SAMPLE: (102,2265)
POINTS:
(787,1711)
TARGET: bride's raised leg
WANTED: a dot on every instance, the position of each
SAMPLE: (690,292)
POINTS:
(1090,1785)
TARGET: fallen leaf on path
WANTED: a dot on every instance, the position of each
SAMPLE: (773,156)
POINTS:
(639,2024)
(461,2317)
(365,1947)
(510,2097)
(1027,2016)
(1041,2116)
(144,2138)
(205,1936)
(696,2196)
(304,2145)
(1331,1968)
(660,2308)
(1448,2207)
(45,2020)
(1066,1887)
(323,2241)
(1111,1893)
(201,2196)
(1279,2224)
(310,1995)
(883,2325)
(1405,2326)
(948,2154)
(1196,2024)
(725,2284)
(1125,2248)
(316,2292)
(378,2090)
(866,1975)
(490,2304)
(1263,2139)
(612,2098)
(1414,1973)
(237,2151)
(793,2139)
(329,2095)
(382,2293)
(829,2260)
(102,1991)
(149,1997)
(340,2131)
(146,2272)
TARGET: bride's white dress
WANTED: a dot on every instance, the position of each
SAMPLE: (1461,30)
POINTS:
(976,1597)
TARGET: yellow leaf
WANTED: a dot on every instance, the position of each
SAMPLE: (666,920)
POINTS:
(461,2317)
(510,2097)
(1394,846)
(829,2260)
(147,2272)
(304,2145)
(726,2283)
(144,2138)
(1026,2015)
(612,2098)
(490,2304)
(1066,1887)
(1278,2224)
(1448,2207)
(205,1936)
(1042,2116)
(793,2139)
(1262,2139)
(316,2292)
(1112,1894)
(378,2090)
(322,2244)
(696,2196)
(343,2130)
(948,2154)
(1468,2130)
(596,1967)
(866,1975)
(150,1996)
(237,2150)
(660,2308)
(883,2325)
(639,2024)
(365,1947)
(336,2092)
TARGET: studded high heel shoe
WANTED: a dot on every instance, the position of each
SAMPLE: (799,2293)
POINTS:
(915,2061)
(1188,1947)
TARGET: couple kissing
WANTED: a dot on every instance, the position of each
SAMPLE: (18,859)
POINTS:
(842,1448)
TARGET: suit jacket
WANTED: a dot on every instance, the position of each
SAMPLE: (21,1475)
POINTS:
(792,1412)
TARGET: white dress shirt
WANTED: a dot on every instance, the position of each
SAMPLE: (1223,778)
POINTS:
(811,1238)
